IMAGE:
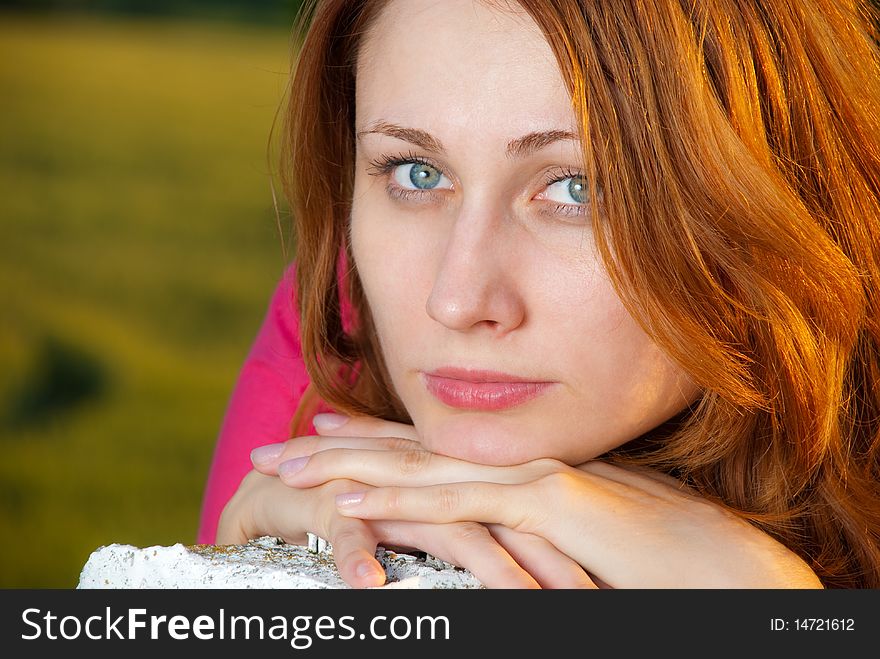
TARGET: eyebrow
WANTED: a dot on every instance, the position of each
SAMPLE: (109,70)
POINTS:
(516,148)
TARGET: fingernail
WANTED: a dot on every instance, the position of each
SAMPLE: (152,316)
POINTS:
(349,499)
(267,453)
(328,421)
(367,569)
(290,467)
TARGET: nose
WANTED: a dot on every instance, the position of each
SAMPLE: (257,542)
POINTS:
(476,281)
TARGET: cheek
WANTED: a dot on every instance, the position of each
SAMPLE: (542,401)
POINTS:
(391,262)
(591,323)
(624,382)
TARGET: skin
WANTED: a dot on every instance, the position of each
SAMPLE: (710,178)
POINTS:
(501,273)
(496,277)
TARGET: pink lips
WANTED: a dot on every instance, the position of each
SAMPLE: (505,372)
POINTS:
(481,390)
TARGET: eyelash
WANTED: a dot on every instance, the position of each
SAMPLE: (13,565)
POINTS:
(383,165)
(568,210)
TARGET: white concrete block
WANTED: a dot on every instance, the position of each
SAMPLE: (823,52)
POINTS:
(263,563)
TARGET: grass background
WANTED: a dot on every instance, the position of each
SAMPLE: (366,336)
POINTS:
(138,250)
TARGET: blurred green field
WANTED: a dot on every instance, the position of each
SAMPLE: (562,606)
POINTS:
(138,249)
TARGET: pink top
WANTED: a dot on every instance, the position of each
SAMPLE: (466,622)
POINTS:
(269,387)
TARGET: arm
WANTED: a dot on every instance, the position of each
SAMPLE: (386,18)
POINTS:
(269,386)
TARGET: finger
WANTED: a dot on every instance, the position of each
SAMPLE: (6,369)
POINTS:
(266,459)
(468,545)
(361,426)
(263,505)
(547,565)
(354,552)
(492,503)
(412,468)
(354,544)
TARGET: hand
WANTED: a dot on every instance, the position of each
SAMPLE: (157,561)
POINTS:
(497,556)
(263,505)
(629,527)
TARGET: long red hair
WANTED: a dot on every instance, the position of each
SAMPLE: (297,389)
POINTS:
(737,147)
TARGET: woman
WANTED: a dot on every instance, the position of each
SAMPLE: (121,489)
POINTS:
(614,293)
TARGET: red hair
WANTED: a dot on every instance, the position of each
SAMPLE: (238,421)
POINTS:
(736,146)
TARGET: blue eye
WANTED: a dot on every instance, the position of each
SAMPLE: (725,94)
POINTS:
(574,190)
(419,176)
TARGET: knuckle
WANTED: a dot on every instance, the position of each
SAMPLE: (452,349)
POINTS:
(393,500)
(556,481)
(448,499)
(467,533)
(397,444)
(563,488)
(464,540)
(411,462)
(343,534)
(546,466)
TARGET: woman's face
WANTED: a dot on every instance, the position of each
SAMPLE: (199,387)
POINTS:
(501,332)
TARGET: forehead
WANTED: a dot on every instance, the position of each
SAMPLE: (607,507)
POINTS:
(465,63)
